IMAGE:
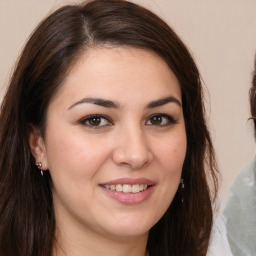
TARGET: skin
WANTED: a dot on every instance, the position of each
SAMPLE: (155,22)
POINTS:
(125,141)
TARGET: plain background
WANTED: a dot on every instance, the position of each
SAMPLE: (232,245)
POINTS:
(220,35)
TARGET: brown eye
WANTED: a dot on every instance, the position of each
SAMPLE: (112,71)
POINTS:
(161,120)
(96,121)
(156,120)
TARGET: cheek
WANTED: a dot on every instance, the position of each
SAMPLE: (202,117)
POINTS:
(75,154)
(172,155)
(170,160)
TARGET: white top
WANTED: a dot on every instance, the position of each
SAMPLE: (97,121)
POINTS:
(219,245)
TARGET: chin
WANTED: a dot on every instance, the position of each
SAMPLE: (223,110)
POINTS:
(131,227)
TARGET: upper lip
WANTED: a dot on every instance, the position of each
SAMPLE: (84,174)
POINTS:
(130,181)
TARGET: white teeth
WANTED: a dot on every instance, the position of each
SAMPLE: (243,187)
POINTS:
(119,188)
(127,188)
(136,188)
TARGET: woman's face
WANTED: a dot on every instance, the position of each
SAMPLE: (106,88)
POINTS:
(115,142)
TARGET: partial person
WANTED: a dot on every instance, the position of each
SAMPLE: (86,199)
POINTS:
(240,208)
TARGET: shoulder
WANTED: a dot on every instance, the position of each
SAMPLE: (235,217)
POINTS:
(245,180)
(219,245)
(239,212)
(241,197)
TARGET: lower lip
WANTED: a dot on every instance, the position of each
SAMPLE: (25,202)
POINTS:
(129,198)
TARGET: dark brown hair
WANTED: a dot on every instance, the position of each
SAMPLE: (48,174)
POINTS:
(27,222)
(252,95)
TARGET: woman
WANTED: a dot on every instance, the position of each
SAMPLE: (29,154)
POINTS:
(103,139)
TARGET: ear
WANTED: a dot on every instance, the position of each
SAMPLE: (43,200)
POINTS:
(37,147)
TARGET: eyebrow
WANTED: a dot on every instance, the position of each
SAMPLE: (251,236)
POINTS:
(111,104)
(163,101)
(97,101)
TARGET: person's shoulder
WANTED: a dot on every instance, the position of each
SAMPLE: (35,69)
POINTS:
(245,181)
(241,196)
(239,211)
(249,171)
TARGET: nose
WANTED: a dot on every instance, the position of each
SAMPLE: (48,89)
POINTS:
(132,149)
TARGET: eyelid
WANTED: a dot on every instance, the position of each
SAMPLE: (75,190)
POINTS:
(170,118)
(89,117)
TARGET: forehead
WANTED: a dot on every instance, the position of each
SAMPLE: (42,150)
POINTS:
(107,71)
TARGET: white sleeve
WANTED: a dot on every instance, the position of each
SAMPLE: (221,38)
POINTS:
(219,245)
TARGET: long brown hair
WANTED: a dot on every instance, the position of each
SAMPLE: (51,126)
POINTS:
(27,222)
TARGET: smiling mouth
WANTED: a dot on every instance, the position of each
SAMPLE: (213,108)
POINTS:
(127,188)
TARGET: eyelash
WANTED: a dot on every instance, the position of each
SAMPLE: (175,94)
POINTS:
(170,119)
(86,121)
(94,118)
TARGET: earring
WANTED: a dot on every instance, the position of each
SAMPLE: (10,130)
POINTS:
(182,186)
(39,166)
